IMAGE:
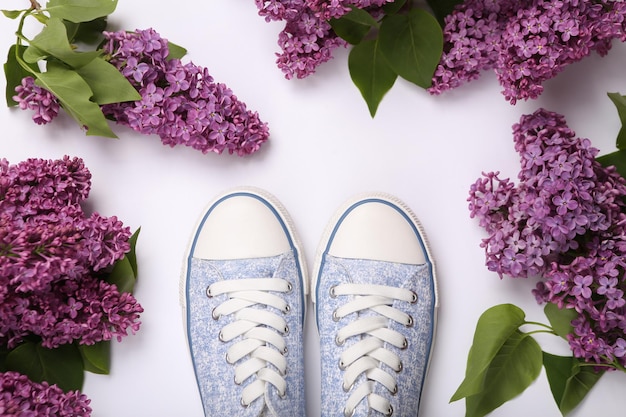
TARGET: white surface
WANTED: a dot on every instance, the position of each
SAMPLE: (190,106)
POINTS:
(324,148)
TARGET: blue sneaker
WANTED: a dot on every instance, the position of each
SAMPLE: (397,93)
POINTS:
(243,293)
(375,301)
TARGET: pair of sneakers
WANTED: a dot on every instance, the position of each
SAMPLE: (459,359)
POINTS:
(244,291)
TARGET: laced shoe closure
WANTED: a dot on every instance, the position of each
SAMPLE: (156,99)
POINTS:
(243,293)
(375,301)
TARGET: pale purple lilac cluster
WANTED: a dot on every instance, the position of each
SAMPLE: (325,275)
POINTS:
(53,257)
(180,102)
(21,397)
(42,102)
(526,42)
(307,39)
(564,221)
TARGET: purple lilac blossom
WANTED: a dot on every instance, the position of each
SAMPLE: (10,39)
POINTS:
(564,222)
(52,256)
(180,102)
(21,397)
(526,42)
(32,97)
(307,39)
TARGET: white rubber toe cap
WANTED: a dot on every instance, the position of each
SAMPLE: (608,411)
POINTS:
(241,225)
(378,229)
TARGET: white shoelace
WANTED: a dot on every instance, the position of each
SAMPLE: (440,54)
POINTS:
(366,356)
(262,332)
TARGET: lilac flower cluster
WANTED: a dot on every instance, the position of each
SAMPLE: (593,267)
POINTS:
(180,102)
(21,397)
(333,9)
(307,39)
(52,256)
(32,97)
(564,221)
(526,42)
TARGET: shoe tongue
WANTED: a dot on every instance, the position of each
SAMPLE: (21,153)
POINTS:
(248,268)
(366,271)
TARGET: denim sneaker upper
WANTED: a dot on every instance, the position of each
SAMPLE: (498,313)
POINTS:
(243,295)
(375,299)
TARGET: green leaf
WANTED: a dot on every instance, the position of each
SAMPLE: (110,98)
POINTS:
(3,359)
(570,380)
(107,83)
(516,365)
(560,319)
(620,103)
(97,357)
(494,328)
(80,10)
(90,32)
(412,44)
(371,73)
(52,41)
(62,366)
(74,94)
(393,7)
(617,159)
(353,26)
(12,14)
(175,51)
(14,72)
(442,8)
(124,273)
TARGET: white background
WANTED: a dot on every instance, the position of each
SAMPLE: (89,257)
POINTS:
(324,148)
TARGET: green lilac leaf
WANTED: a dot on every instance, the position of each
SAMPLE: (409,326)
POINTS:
(442,8)
(14,72)
(96,357)
(617,159)
(52,41)
(80,10)
(393,7)
(175,51)
(494,328)
(107,83)
(12,14)
(570,380)
(370,73)
(3,359)
(90,32)
(412,44)
(560,319)
(620,104)
(353,26)
(124,272)
(516,365)
(62,366)
(74,94)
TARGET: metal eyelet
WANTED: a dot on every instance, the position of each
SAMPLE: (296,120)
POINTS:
(289,287)
(394,391)
(208,292)
(228,361)
(347,413)
(332,292)
(238,383)
(399,369)
(405,344)
(336,318)
(410,322)
(221,337)
(338,341)
(215,316)
(287,309)
(389,411)
(341,365)
(286,330)
(414,297)
(285,351)
(244,405)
